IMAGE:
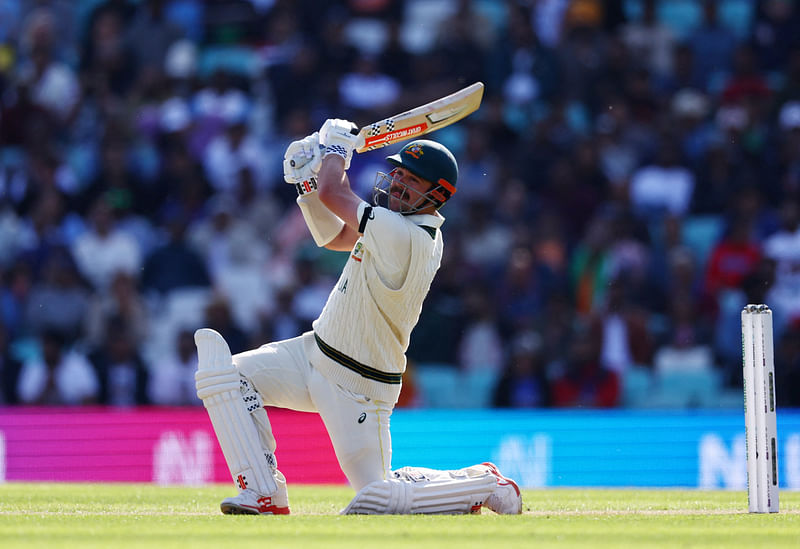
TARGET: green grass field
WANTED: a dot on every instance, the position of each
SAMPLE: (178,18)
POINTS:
(134,515)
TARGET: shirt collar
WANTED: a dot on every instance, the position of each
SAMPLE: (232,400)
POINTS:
(428,220)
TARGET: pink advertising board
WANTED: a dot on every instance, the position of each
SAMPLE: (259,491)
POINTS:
(162,445)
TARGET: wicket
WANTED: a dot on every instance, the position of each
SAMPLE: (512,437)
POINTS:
(759,409)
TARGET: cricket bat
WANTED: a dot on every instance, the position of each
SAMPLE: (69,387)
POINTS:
(423,119)
(413,123)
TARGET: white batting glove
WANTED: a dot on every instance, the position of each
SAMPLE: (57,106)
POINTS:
(340,137)
(301,163)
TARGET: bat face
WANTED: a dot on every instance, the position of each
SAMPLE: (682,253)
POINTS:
(421,120)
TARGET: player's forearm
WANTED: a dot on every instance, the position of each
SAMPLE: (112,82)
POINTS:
(334,190)
(331,177)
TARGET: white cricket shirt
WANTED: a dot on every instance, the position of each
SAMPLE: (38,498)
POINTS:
(363,331)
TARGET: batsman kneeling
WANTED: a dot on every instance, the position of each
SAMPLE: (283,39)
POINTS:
(349,367)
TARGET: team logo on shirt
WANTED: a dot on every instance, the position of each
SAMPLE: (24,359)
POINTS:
(358,252)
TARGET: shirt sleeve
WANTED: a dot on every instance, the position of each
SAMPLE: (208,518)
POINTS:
(387,238)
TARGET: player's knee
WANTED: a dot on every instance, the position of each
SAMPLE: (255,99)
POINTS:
(247,364)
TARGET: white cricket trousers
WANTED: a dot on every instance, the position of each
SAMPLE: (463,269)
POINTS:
(358,426)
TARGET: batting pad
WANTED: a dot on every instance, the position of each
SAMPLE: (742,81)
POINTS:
(430,497)
(218,385)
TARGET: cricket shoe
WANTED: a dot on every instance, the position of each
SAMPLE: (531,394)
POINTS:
(250,502)
(506,498)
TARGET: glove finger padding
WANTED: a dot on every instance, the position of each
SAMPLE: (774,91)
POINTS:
(340,137)
(302,160)
(294,175)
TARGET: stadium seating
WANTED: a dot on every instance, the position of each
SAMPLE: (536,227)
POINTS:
(444,386)
(700,233)
(637,385)
(239,60)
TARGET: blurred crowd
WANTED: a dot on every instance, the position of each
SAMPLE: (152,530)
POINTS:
(631,181)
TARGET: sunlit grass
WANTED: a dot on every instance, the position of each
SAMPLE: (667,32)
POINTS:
(138,515)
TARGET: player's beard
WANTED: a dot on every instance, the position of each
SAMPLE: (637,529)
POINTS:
(396,196)
(399,199)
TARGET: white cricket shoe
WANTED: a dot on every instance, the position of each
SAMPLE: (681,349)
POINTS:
(506,498)
(250,502)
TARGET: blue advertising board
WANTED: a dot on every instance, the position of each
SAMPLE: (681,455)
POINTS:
(701,449)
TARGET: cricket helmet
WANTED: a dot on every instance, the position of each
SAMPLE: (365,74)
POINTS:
(428,160)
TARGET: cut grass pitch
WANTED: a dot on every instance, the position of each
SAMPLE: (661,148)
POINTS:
(134,515)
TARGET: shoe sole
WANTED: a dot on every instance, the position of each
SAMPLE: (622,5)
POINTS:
(232,509)
(236,510)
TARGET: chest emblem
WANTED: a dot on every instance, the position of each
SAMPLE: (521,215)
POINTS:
(358,252)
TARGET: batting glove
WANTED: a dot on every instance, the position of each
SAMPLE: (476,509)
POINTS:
(340,137)
(301,163)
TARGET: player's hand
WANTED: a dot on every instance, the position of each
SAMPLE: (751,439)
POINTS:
(301,163)
(340,137)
